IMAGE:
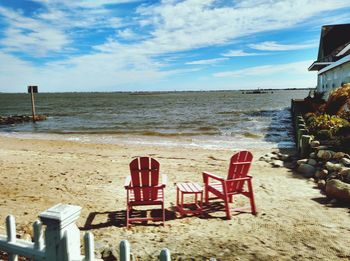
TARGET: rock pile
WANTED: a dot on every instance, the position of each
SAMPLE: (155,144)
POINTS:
(277,159)
(330,169)
(20,119)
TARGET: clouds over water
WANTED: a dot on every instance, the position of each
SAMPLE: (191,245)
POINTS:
(116,44)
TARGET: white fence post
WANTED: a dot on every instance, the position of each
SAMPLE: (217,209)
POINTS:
(124,250)
(11,235)
(61,232)
(38,235)
(89,247)
(165,255)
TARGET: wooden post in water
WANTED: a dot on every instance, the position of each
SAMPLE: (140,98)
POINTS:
(32,90)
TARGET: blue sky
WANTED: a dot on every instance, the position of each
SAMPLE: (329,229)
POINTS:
(131,45)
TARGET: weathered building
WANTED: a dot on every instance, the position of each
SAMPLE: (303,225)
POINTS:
(333,61)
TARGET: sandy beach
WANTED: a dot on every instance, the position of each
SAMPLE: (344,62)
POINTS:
(294,222)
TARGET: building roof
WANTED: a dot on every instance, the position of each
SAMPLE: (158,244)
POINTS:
(334,45)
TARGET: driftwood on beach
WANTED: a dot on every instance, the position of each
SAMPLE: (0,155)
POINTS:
(20,119)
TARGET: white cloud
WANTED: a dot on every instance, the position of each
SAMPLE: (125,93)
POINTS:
(187,25)
(53,29)
(173,26)
(178,25)
(193,24)
(295,67)
(274,46)
(85,3)
(15,74)
(128,34)
(85,73)
(239,53)
(208,61)
(29,35)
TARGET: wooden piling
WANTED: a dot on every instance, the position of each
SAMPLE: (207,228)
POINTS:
(32,90)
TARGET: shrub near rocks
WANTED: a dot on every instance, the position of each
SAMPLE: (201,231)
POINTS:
(328,125)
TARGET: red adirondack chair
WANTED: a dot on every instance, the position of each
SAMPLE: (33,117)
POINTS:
(143,188)
(237,177)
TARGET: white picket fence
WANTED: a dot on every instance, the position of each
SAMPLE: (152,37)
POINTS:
(125,254)
(60,241)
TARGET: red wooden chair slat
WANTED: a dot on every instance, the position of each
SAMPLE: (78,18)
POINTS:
(237,178)
(145,177)
(135,177)
(155,176)
(239,167)
(143,187)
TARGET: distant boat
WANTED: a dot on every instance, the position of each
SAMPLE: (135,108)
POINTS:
(258,91)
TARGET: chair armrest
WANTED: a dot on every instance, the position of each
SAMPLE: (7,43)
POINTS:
(164,179)
(207,175)
(127,182)
(241,179)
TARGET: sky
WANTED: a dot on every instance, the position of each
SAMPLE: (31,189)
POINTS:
(131,45)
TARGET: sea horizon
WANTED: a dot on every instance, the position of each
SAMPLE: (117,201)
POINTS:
(168,91)
(208,119)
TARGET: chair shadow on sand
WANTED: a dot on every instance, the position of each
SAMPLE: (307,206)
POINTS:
(218,207)
(118,218)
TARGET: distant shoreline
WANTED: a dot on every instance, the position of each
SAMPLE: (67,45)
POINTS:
(167,92)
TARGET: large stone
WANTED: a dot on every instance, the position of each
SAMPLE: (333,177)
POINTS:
(338,189)
(337,167)
(325,154)
(345,162)
(307,170)
(339,155)
(329,166)
(314,143)
(302,161)
(333,167)
(312,162)
(345,174)
(312,155)
(344,171)
(321,174)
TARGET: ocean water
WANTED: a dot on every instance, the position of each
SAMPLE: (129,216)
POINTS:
(222,119)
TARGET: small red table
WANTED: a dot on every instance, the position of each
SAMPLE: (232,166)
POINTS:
(195,207)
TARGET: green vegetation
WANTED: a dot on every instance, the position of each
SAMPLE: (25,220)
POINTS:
(331,122)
